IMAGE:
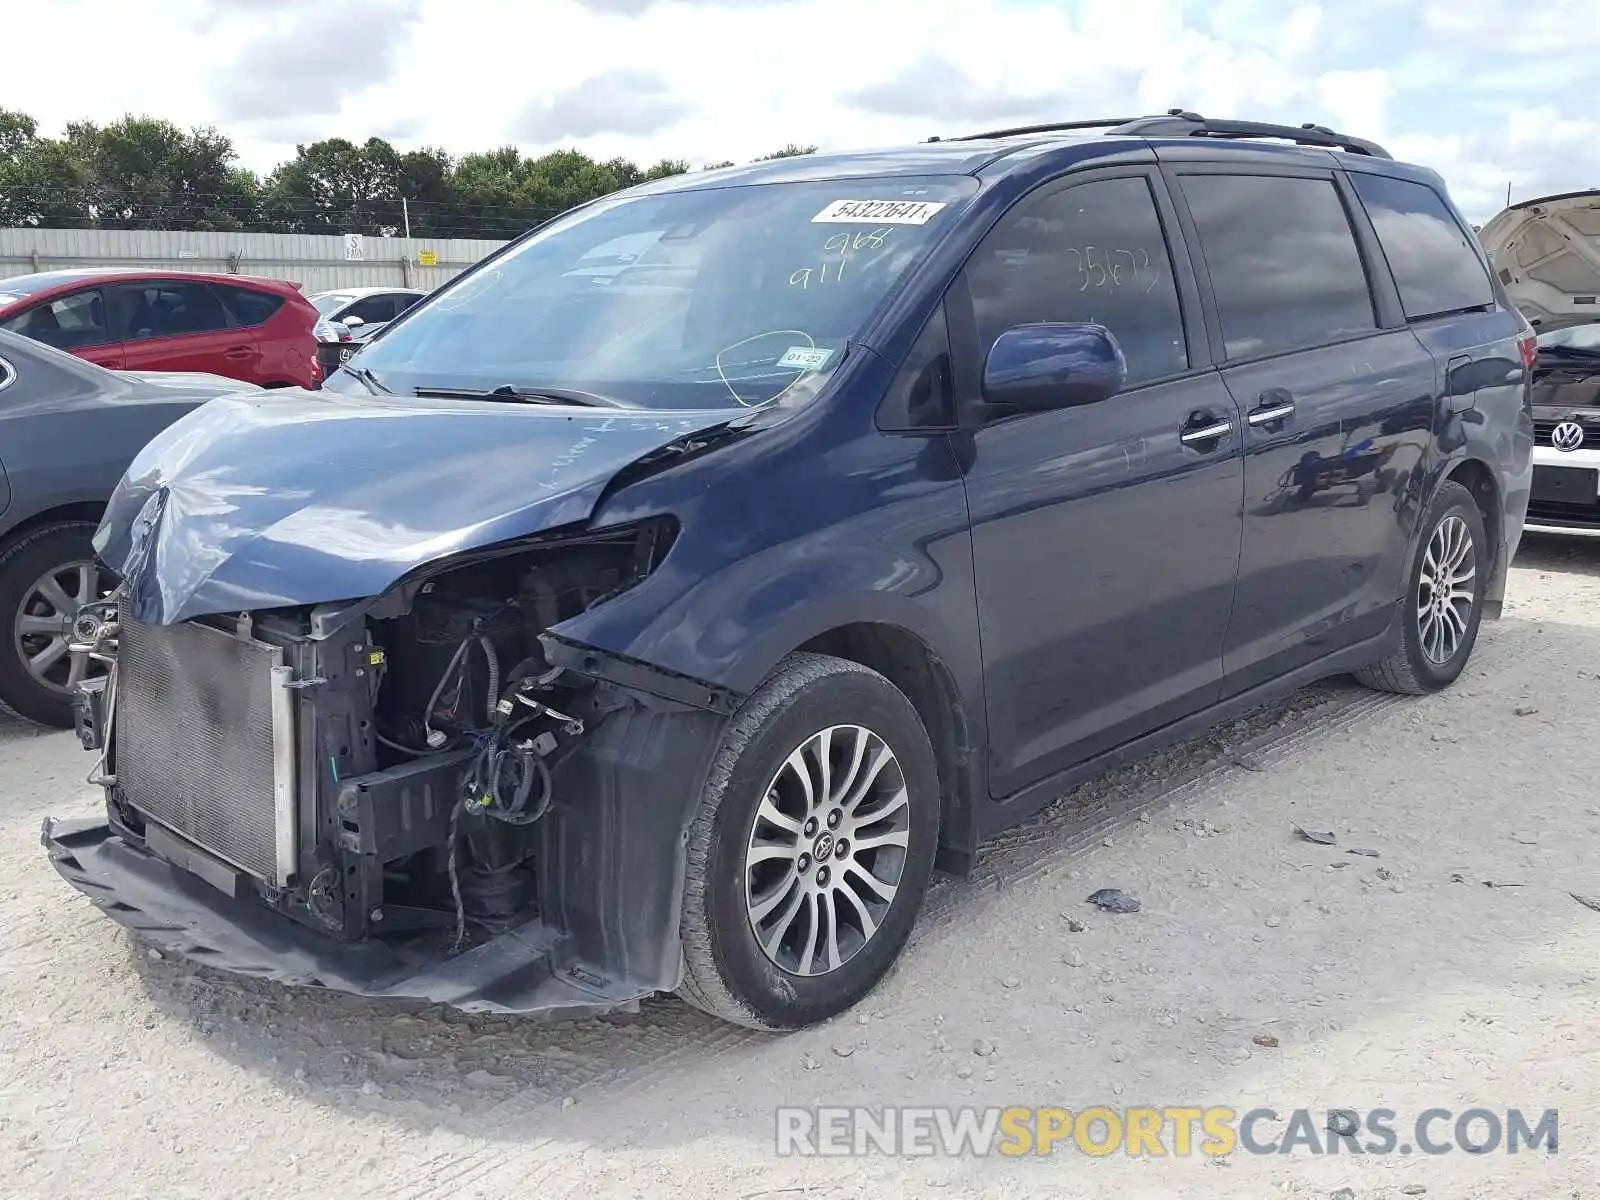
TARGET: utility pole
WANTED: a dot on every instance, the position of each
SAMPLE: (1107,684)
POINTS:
(1508,198)
(405,211)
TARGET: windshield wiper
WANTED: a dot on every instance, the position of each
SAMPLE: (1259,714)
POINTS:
(368,378)
(1571,351)
(508,391)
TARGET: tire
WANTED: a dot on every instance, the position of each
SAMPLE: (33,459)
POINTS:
(1416,668)
(743,871)
(24,561)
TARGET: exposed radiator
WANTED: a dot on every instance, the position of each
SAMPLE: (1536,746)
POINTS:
(205,741)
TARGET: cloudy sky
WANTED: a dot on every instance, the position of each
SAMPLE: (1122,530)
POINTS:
(1488,92)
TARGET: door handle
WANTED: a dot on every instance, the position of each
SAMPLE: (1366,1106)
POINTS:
(1272,406)
(1270,416)
(1201,434)
(238,352)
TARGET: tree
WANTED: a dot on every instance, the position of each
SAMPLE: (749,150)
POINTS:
(423,180)
(147,173)
(41,180)
(144,173)
(792,150)
(17,131)
(335,186)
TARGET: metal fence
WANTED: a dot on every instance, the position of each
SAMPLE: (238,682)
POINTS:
(317,262)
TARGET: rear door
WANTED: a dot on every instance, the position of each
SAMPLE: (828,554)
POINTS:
(181,325)
(74,321)
(1105,538)
(1337,398)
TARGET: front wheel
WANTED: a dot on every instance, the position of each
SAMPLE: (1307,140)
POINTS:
(812,849)
(46,575)
(1444,599)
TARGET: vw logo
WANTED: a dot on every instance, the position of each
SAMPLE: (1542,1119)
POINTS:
(1567,436)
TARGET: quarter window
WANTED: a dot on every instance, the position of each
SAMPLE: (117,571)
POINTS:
(1282,259)
(1435,265)
(250,307)
(1091,252)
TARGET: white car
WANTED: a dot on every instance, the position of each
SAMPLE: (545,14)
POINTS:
(1547,253)
(345,310)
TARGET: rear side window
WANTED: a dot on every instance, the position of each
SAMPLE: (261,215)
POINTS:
(1091,252)
(1433,261)
(71,322)
(249,306)
(1282,259)
(173,309)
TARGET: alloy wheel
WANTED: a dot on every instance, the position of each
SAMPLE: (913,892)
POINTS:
(1446,591)
(42,628)
(827,850)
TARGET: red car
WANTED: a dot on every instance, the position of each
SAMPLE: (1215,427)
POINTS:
(257,330)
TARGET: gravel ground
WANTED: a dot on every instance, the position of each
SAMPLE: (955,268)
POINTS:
(1398,981)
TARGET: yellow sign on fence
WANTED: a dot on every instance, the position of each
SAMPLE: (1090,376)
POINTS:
(427,258)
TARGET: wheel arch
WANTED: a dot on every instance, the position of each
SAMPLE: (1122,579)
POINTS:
(1479,479)
(909,663)
(78,510)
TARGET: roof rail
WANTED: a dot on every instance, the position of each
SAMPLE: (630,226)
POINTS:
(1051,127)
(1177,122)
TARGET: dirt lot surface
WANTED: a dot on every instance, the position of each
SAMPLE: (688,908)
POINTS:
(1399,981)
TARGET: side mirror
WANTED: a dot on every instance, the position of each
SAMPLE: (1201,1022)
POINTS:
(1034,368)
(351,322)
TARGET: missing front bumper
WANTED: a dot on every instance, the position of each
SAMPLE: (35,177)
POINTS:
(529,970)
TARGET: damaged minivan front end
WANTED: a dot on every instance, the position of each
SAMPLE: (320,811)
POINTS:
(425,792)
(432,683)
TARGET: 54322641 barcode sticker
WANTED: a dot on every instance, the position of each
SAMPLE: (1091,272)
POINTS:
(878,212)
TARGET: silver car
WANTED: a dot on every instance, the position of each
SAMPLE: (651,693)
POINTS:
(68,430)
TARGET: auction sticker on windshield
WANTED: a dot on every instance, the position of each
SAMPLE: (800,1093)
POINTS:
(879,212)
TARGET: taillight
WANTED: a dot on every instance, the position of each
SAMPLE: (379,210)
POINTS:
(1528,343)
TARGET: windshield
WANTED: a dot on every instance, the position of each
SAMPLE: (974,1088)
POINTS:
(692,299)
(1578,337)
(328,303)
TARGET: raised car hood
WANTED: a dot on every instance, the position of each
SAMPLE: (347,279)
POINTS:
(1547,253)
(291,497)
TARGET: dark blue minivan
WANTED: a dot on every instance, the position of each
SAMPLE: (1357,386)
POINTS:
(654,607)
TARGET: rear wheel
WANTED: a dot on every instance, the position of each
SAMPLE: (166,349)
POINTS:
(813,847)
(1444,599)
(46,575)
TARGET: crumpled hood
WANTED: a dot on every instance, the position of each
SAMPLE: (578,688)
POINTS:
(294,497)
(1547,253)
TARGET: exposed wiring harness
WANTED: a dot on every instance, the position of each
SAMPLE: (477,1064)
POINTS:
(508,778)
(502,779)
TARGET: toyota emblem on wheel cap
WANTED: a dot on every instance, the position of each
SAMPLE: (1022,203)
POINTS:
(1567,436)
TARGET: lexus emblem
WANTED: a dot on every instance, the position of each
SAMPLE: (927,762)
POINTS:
(1567,436)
